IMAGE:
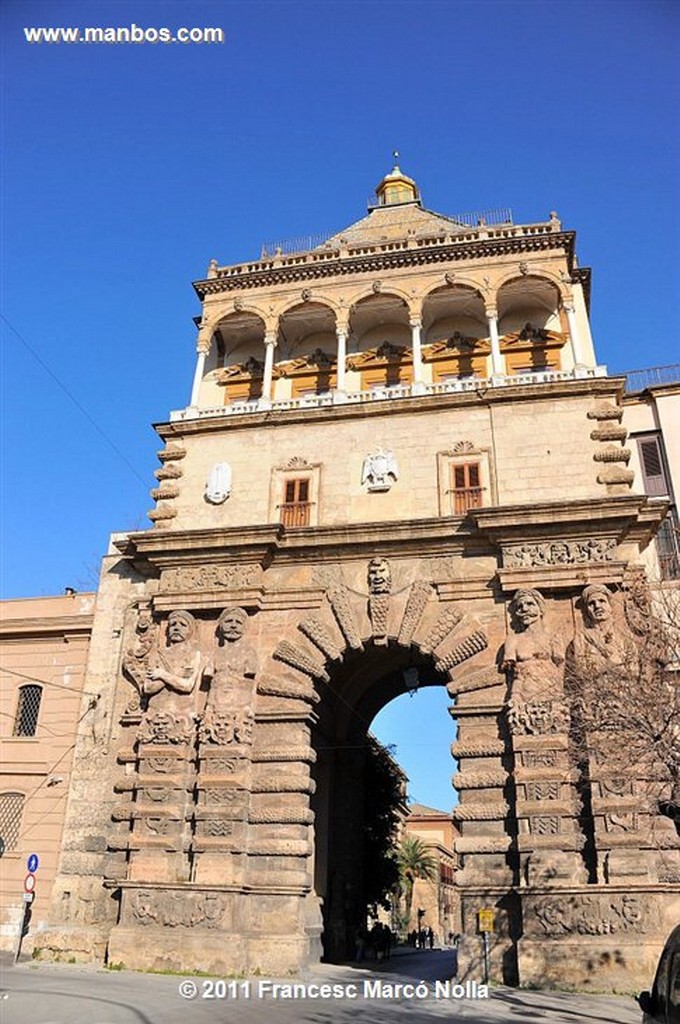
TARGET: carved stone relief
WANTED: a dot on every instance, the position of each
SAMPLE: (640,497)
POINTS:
(591,915)
(218,484)
(601,644)
(297,657)
(445,625)
(593,549)
(178,909)
(420,593)
(210,577)
(538,718)
(532,655)
(380,470)
(471,645)
(317,631)
(136,658)
(171,675)
(233,663)
(344,613)
(225,727)
(379,587)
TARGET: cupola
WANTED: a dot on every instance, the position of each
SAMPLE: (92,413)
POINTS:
(397,188)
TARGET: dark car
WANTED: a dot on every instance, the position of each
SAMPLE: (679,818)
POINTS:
(662,1004)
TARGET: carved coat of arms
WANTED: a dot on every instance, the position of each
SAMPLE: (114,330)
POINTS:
(380,470)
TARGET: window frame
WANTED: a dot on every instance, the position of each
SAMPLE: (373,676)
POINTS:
(295,471)
(463,453)
(654,485)
(21,713)
(11,840)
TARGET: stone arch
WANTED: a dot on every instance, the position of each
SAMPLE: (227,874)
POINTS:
(347,660)
(235,306)
(534,297)
(232,328)
(290,304)
(451,281)
(457,307)
(386,289)
(539,274)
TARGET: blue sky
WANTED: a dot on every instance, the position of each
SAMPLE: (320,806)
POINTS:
(127,168)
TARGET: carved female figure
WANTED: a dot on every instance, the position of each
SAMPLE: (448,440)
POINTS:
(601,644)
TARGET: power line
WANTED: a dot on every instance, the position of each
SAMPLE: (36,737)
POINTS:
(72,398)
(47,682)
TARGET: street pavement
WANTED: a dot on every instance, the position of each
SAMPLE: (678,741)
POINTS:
(36,993)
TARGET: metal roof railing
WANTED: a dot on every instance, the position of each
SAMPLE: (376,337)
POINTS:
(651,377)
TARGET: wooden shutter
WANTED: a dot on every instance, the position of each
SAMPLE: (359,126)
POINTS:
(296,506)
(651,463)
(466,490)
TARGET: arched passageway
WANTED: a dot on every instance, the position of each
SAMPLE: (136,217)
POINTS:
(348,782)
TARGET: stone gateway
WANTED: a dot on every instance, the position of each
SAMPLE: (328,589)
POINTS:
(421,474)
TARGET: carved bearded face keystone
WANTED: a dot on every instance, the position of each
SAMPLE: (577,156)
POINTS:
(379,576)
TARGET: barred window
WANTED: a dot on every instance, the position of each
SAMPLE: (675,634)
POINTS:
(28,709)
(668,548)
(11,810)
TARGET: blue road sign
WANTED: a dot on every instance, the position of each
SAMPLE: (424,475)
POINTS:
(32,863)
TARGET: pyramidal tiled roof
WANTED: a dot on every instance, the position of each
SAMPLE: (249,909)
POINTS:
(391,222)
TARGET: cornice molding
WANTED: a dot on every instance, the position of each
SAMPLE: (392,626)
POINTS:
(256,275)
(71,626)
(597,387)
(480,534)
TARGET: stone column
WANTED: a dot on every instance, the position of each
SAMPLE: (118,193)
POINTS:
(574,337)
(198,377)
(269,346)
(341,336)
(416,324)
(497,361)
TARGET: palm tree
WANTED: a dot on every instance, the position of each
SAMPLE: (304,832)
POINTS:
(415,860)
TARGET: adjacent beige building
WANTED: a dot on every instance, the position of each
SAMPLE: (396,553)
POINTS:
(651,415)
(435,901)
(44,643)
(400,462)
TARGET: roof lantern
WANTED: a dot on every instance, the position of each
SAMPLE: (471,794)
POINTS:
(397,188)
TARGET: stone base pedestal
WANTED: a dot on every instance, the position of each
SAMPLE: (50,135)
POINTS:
(595,937)
(591,963)
(213,930)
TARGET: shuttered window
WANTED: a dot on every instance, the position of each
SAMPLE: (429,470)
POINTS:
(296,506)
(466,490)
(652,465)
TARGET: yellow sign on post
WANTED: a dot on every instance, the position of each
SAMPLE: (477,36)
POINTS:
(485,920)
